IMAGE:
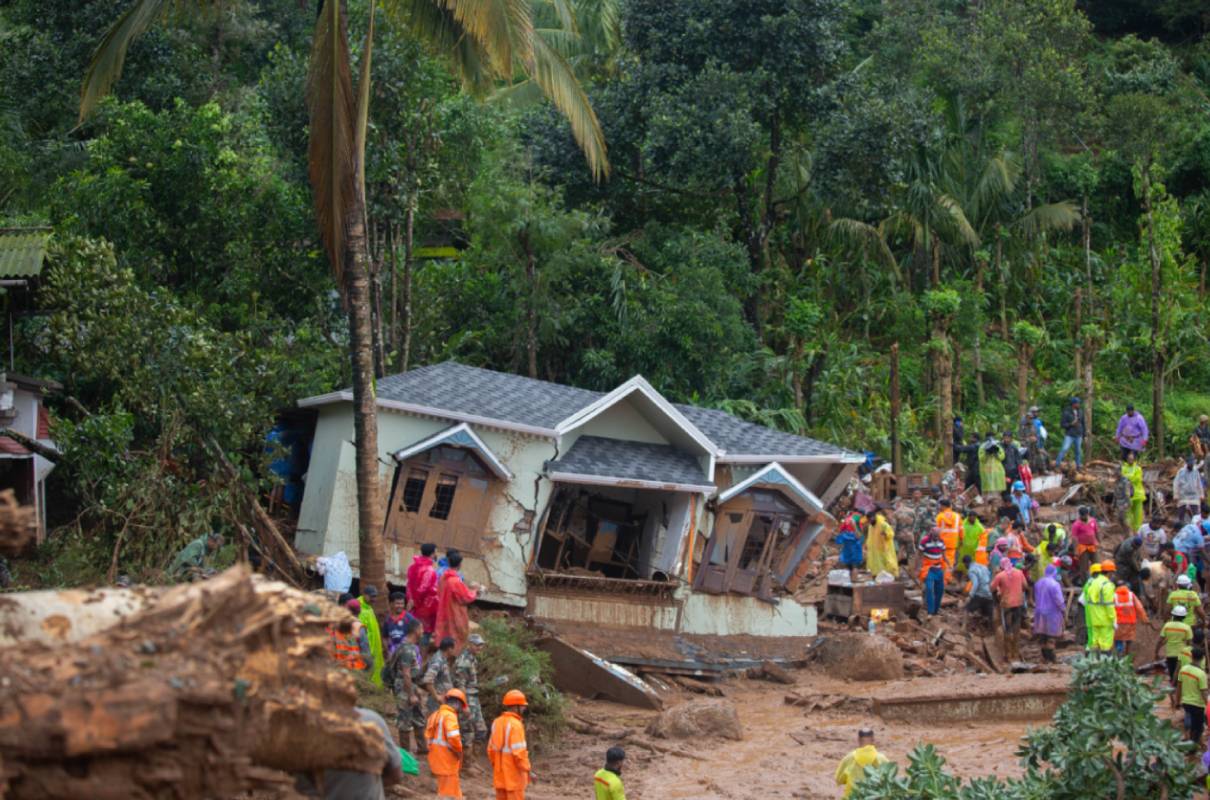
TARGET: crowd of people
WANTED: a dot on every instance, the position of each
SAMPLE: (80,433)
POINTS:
(424,651)
(1015,571)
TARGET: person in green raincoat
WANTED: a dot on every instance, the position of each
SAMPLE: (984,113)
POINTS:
(880,555)
(1052,545)
(972,532)
(370,622)
(991,468)
(1134,473)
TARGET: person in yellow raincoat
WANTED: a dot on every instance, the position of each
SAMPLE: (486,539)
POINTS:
(853,766)
(880,555)
(992,480)
(1132,472)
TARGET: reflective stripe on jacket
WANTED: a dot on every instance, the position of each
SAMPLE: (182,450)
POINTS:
(445,741)
(1123,600)
(346,649)
(509,753)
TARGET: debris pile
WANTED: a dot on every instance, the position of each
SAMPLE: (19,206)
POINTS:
(860,657)
(213,689)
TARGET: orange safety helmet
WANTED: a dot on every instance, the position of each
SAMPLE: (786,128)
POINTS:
(513,697)
(456,694)
(1108,566)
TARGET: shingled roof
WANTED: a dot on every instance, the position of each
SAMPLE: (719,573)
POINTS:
(598,457)
(482,396)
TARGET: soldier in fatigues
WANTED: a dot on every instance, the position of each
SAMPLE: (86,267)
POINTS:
(403,674)
(437,679)
(466,678)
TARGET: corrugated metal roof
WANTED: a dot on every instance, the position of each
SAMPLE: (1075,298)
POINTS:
(21,253)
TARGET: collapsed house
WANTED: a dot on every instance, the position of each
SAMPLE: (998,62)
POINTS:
(618,508)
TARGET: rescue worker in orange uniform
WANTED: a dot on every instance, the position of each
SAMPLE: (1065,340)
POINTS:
(1129,612)
(949,525)
(445,744)
(351,649)
(507,750)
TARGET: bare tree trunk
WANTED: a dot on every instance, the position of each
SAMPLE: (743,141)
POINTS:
(943,361)
(1079,301)
(1157,339)
(1089,358)
(977,353)
(957,380)
(1087,223)
(531,307)
(405,349)
(936,259)
(393,250)
(896,455)
(1024,353)
(1000,272)
(371,556)
(380,367)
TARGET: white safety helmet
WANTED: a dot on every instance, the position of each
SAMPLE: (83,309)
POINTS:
(1183,581)
(1179,611)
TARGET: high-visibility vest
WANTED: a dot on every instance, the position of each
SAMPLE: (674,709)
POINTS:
(508,753)
(949,524)
(445,741)
(346,650)
(981,550)
(1123,601)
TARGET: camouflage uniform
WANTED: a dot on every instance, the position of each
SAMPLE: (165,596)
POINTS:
(924,519)
(436,673)
(466,678)
(406,661)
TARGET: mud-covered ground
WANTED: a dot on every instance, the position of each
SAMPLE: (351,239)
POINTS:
(784,753)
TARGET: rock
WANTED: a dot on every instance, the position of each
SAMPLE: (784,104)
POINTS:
(698,718)
(861,657)
(773,672)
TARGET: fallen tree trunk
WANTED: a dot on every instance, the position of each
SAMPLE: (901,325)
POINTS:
(49,453)
(211,690)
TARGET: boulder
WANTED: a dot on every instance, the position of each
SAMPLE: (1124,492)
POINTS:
(860,657)
(696,718)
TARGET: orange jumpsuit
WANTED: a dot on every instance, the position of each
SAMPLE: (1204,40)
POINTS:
(445,750)
(949,525)
(509,756)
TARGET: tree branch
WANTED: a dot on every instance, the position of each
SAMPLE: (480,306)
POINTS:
(49,453)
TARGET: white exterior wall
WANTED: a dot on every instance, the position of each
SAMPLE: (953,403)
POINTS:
(327,521)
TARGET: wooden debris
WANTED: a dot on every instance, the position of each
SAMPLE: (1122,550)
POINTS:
(772,672)
(215,689)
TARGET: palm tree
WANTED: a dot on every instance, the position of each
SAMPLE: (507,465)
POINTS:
(488,42)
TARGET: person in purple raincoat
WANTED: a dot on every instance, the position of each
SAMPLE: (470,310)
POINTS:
(1132,432)
(1048,611)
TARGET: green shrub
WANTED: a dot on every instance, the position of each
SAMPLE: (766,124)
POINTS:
(511,660)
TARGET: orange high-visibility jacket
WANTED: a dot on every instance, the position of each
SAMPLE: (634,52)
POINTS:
(346,649)
(1127,605)
(508,753)
(445,741)
(949,525)
(981,549)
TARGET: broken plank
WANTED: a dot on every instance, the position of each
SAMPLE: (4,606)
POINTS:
(583,673)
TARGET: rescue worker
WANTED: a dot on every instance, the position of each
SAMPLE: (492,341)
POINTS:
(466,678)
(974,538)
(1129,611)
(403,671)
(507,750)
(1191,683)
(933,569)
(607,783)
(351,649)
(853,766)
(445,744)
(437,678)
(1185,595)
(949,528)
(1174,636)
(1099,609)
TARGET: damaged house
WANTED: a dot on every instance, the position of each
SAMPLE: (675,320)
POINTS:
(618,508)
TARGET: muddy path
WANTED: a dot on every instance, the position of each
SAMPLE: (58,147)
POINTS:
(784,753)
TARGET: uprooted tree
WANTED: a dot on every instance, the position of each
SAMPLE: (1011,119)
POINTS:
(1106,741)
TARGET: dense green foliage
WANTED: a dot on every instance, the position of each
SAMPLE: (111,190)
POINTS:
(511,660)
(795,185)
(1106,741)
